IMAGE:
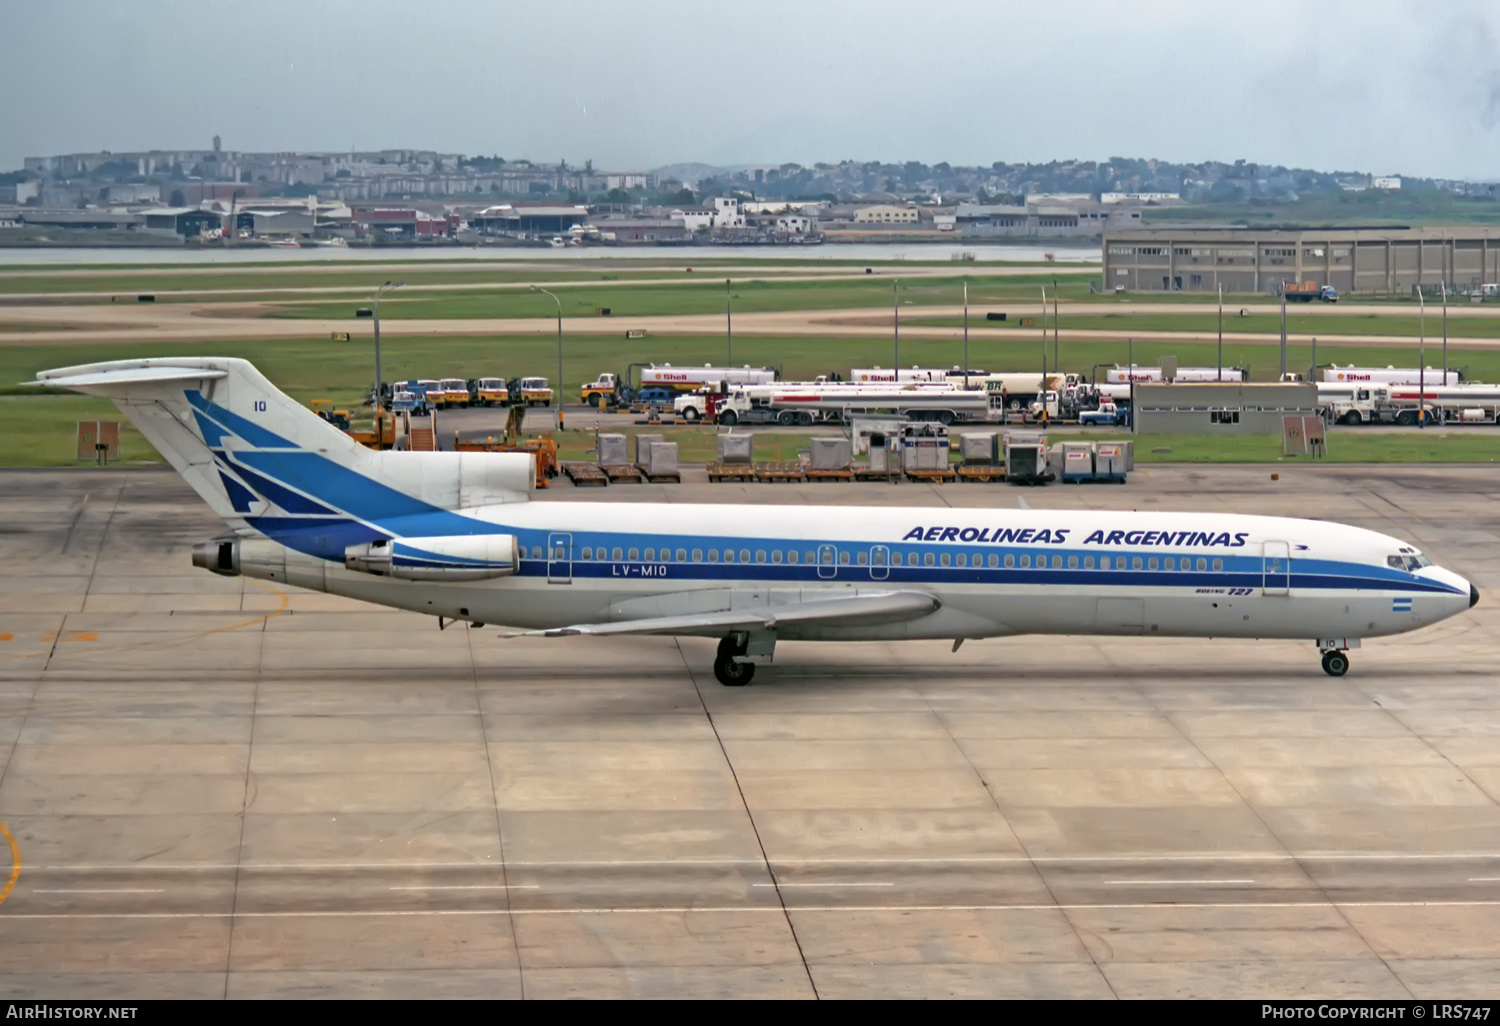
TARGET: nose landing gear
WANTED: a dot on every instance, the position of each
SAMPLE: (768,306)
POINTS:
(1335,663)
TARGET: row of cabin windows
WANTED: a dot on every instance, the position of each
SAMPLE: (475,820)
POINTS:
(993,560)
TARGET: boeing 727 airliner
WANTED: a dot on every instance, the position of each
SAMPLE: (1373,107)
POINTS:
(454,535)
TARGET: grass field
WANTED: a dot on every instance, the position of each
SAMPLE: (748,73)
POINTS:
(696,297)
(1207,323)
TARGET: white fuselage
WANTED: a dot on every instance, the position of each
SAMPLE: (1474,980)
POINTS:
(993,572)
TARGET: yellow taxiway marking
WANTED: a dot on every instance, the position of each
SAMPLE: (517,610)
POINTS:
(72,636)
(15,864)
(7,636)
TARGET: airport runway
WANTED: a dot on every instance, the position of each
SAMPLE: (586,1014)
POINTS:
(217,788)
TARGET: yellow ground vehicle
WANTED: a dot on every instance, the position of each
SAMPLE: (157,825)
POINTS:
(491,391)
(433,389)
(325,409)
(455,393)
(532,391)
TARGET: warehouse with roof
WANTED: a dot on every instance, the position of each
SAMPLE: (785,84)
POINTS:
(1189,259)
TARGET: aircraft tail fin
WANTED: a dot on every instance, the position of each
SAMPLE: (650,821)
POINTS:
(263,460)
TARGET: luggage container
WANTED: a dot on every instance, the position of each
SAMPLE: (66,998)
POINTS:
(658,461)
(831,454)
(884,454)
(1075,462)
(643,447)
(1109,462)
(612,450)
(734,448)
(1026,458)
(979,448)
(924,447)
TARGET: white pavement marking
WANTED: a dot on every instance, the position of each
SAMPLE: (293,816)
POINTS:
(103,890)
(773,909)
(1171,883)
(951,860)
(824,885)
(472,887)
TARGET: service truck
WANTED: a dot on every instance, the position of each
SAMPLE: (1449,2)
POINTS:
(876,375)
(490,391)
(1118,375)
(1307,291)
(455,393)
(1392,375)
(691,379)
(809,404)
(1015,391)
(1403,404)
(531,392)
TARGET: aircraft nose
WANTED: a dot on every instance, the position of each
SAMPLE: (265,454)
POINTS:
(1473,596)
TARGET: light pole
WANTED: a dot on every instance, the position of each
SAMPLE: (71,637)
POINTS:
(1221,332)
(375,304)
(1445,334)
(728,328)
(1044,334)
(1421,358)
(896,325)
(1283,331)
(559,391)
(1056,345)
(966,336)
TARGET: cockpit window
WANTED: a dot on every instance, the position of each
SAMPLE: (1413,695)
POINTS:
(1410,563)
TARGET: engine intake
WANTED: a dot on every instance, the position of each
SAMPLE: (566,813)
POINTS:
(450,558)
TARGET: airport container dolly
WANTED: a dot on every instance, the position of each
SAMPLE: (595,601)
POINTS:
(731,472)
(779,470)
(585,475)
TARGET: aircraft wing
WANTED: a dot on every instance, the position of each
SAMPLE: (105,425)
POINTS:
(854,610)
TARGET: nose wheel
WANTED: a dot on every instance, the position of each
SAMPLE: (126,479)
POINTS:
(730,671)
(1335,663)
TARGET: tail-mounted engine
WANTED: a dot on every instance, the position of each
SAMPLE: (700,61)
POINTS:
(451,558)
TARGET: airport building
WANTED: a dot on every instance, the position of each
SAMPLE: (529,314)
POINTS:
(1215,408)
(1253,260)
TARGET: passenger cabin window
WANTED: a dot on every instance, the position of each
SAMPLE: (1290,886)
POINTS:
(1169,564)
(1202,563)
(760,555)
(1218,565)
(651,555)
(1025,562)
(713,555)
(618,554)
(1135,563)
(1152,563)
(729,555)
(635,555)
(1072,562)
(536,552)
(927,559)
(791,556)
(682,555)
(994,560)
(744,555)
(843,559)
(776,555)
(863,558)
(697,555)
(1103,562)
(946,559)
(962,559)
(1057,562)
(1088,562)
(586,554)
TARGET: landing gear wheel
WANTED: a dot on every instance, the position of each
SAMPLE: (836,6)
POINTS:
(1335,663)
(729,672)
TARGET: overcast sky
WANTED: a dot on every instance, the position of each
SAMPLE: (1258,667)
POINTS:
(1375,85)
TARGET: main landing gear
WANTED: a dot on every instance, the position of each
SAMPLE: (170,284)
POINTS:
(1335,663)
(729,670)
